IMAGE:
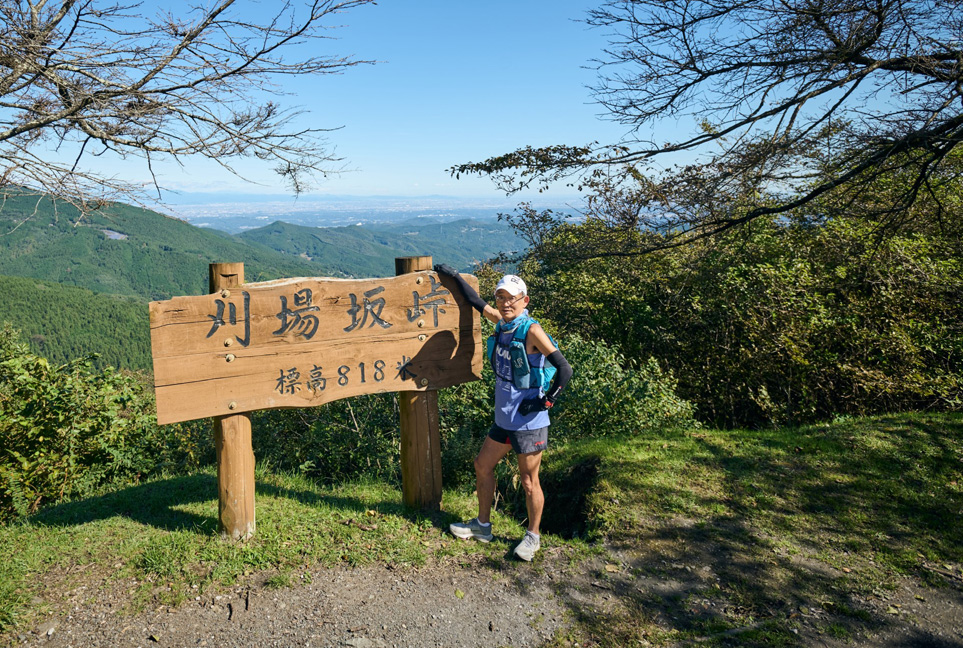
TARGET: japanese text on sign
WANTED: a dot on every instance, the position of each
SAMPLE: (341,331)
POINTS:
(303,342)
(302,321)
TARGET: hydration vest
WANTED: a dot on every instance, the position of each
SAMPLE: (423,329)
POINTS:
(524,375)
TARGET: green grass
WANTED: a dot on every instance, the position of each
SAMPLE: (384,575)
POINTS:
(164,535)
(768,522)
(891,486)
(814,516)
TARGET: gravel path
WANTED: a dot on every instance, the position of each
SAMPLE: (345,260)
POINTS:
(482,603)
(442,605)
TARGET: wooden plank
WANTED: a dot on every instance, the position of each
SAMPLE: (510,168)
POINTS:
(307,341)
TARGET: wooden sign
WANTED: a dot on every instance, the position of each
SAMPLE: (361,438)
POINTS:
(307,341)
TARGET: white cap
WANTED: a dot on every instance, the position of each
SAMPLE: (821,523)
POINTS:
(513,285)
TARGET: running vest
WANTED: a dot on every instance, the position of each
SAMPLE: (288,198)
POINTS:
(506,365)
(509,357)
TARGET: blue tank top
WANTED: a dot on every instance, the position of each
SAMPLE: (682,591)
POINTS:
(507,397)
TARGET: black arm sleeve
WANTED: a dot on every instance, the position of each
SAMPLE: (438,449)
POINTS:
(562,377)
(471,296)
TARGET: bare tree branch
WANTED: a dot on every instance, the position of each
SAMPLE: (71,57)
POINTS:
(101,77)
(882,80)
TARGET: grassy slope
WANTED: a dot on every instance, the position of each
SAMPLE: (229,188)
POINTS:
(879,497)
(821,517)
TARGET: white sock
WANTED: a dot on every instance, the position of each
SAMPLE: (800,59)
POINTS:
(484,523)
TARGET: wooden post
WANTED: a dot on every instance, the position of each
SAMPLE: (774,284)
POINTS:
(232,439)
(420,439)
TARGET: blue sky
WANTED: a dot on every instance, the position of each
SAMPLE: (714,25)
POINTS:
(456,81)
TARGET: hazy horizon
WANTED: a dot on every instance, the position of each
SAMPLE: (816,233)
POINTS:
(235,213)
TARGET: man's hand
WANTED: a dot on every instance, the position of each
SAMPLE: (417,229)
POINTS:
(470,294)
(531,405)
(444,269)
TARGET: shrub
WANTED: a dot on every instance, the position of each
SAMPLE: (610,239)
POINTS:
(781,322)
(70,430)
(334,442)
(610,394)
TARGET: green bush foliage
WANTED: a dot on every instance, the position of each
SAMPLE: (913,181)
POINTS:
(780,322)
(334,442)
(612,395)
(70,430)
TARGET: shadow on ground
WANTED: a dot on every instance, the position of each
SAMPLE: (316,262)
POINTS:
(825,535)
(161,504)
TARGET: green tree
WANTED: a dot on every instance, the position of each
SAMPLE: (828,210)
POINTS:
(778,321)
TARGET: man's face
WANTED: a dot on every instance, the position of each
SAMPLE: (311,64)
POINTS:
(510,306)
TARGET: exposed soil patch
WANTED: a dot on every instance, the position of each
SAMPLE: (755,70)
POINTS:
(446,604)
(565,493)
(678,588)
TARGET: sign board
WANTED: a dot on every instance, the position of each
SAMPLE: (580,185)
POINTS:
(307,341)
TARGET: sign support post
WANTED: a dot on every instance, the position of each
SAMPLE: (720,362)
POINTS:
(420,438)
(232,440)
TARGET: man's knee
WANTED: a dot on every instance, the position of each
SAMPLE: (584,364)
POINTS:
(530,483)
(482,466)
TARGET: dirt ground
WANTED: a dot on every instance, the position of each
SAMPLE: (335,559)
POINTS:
(483,602)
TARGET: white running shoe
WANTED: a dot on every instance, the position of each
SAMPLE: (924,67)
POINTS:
(471,529)
(528,546)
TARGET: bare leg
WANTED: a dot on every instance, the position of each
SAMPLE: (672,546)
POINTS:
(488,457)
(528,465)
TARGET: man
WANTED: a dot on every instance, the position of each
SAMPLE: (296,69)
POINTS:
(521,404)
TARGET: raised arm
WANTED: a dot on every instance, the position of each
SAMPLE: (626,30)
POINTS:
(469,293)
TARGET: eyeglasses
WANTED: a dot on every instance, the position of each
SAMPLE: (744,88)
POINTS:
(508,301)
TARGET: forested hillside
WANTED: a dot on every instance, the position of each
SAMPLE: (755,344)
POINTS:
(126,250)
(79,285)
(370,250)
(62,323)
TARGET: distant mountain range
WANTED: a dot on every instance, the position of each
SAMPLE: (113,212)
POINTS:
(369,251)
(125,250)
(236,214)
(143,256)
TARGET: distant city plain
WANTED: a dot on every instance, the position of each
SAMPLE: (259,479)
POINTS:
(237,214)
